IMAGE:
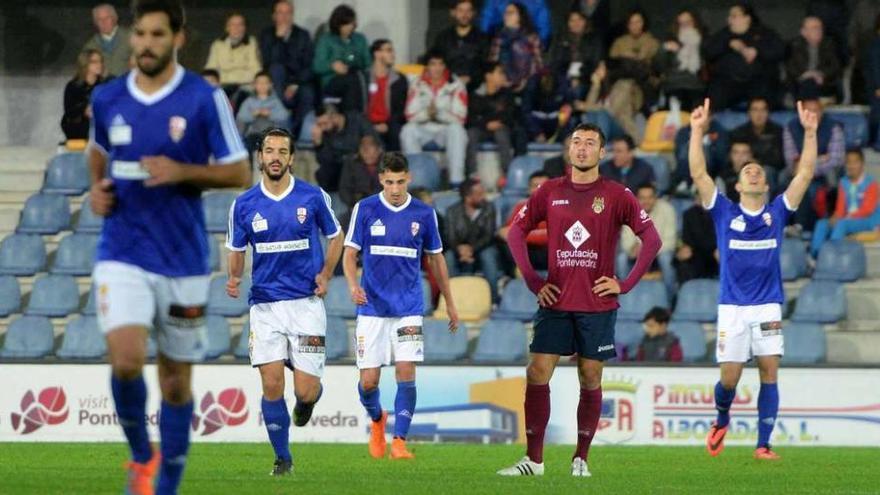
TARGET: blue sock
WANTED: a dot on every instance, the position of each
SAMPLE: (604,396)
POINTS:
(174,424)
(768,406)
(370,400)
(404,408)
(277,421)
(723,399)
(130,397)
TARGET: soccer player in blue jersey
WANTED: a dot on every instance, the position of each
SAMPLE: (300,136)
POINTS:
(750,303)
(282,219)
(159,135)
(391,230)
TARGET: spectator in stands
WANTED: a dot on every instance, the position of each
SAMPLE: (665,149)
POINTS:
(679,62)
(235,56)
(287,53)
(470,234)
(598,13)
(605,109)
(857,205)
(863,30)
(663,215)
(436,110)
(633,85)
(549,118)
(342,56)
(740,155)
(211,77)
(386,95)
(78,93)
(335,135)
(743,59)
(559,165)
(425,196)
(518,48)
(763,135)
(658,344)
(812,64)
(111,40)
(494,16)
(624,167)
(716,143)
(261,111)
(492,116)
(871,69)
(697,255)
(463,45)
(576,52)
(536,239)
(360,173)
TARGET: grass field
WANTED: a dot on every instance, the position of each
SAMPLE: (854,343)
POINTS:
(34,468)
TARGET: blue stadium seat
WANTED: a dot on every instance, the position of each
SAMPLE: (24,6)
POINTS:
(730,119)
(820,301)
(627,337)
(426,298)
(804,344)
(10,295)
(503,206)
(843,261)
(89,309)
(75,255)
(442,346)
(241,350)
(518,173)
(783,117)
(83,340)
(53,295)
(88,222)
(305,132)
(44,214)
(501,341)
(661,171)
(67,173)
(213,255)
(443,201)
(337,338)
(517,302)
(29,337)
(697,301)
(544,147)
(855,128)
(221,304)
(338,302)
(644,296)
(793,258)
(488,146)
(424,170)
(217,210)
(433,147)
(692,339)
(218,336)
(22,255)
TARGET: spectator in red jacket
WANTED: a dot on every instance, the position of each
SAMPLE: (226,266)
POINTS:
(658,344)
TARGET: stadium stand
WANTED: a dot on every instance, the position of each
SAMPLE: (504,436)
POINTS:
(218,337)
(441,345)
(87,222)
(843,261)
(644,296)
(501,341)
(53,295)
(22,255)
(241,349)
(692,339)
(10,295)
(697,301)
(221,304)
(804,344)
(338,302)
(517,302)
(337,339)
(472,299)
(45,214)
(518,173)
(627,336)
(28,337)
(793,258)
(82,340)
(424,170)
(216,206)
(820,301)
(67,174)
(75,255)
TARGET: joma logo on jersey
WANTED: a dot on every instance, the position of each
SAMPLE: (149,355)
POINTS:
(301,214)
(559,202)
(176,128)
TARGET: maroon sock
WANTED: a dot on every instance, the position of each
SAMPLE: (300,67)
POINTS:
(588,412)
(537,416)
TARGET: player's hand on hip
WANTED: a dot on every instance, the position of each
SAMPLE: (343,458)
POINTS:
(102,197)
(452,314)
(606,286)
(321,282)
(232,287)
(162,170)
(548,295)
(358,296)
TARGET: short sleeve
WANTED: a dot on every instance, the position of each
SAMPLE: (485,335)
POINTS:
(355,235)
(326,218)
(431,235)
(632,213)
(236,234)
(717,206)
(223,138)
(781,206)
(98,138)
(534,211)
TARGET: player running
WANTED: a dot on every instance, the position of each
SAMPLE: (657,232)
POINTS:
(750,303)
(391,230)
(282,219)
(578,301)
(154,132)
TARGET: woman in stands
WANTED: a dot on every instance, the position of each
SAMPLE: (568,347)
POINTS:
(78,93)
(518,48)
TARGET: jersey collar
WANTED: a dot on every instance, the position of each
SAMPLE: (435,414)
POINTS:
(393,208)
(282,195)
(164,91)
(751,213)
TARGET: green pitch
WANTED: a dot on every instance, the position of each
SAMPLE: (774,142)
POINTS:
(448,469)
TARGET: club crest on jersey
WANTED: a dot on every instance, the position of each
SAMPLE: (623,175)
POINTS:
(598,204)
(414,228)
(768,219)
(176,128)
(301,214)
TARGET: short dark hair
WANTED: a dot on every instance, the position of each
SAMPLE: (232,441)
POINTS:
(626,138)
(172,8)
(467,186)
(756,99)
(647,185)
(526,23)
(646,24)
(394,162)
(658,314)
(326,108)
(456,3)
(246,38)
(262,73)
(277,132)
(538,173)
(341,15)
(435,53)
(378,44)
(857,151)
(586,126)
(740,140)
(209,73)
(490,67)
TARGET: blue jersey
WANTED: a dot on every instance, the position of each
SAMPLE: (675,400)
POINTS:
(284,232)
(391,240)
(748,248)
(160,229)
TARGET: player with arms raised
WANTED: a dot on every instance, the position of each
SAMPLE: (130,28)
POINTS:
(154,132)
(749,238)
(578,301)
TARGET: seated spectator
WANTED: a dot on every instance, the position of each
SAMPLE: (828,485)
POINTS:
(111,40)
(492,116)
(550,115)
(812,64)
(261,112)
(743,59)
(342,56)
(78,94)
(211,77)
(575,53)
(536,240)
(360,174)
(436,110)
(856,209)
(518,49)
(336,135)
(463,45)
(630,70)
(716,143)
(740,155)
(763,135)
(598,14)
(679,63)
(386,98)
(663,215)
(624,167)
(559,165)
(658,344)
(697,254)
(495,12)
(470,234)
(287,52)
(235,56)
(598,105)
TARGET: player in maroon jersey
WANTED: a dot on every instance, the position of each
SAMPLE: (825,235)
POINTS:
(578,301)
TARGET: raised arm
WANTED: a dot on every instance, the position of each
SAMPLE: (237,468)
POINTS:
(807,163)
(696,157)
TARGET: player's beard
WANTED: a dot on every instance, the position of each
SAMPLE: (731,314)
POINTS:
(161,63)
(285,169)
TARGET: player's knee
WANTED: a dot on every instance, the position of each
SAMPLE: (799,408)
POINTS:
(368,384)
(175,389)
(127,366)
(273,387)
(589,379)
(538,373)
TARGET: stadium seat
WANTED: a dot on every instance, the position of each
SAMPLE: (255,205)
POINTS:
(692,339)
(501,341)
(443,201)
(83,340)
(697,301)
(793,258)
(29,337)
(88,222)
(75,255)
(242,349)
(338,301)
(855,127)
(44,214)
(305,131)
(544,148)
(22,255)
(843,261)
(53,295)
(68,174)
(730,119)
(644,296)
(517,302)
(221,304)
(659,139)
(218,336)
(442,346)
(504,204)
(783,117)
(473,299)
(217,210)
(213,255)
(424,170)
(336,341)
(427,300)
(804,344)
(820,301)
(10,295)
(661,171)
(627,337)
(518,173)
(89,309)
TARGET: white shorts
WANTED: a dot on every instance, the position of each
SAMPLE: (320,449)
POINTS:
(746,331)
(173,306)
(291,331)
(378,337)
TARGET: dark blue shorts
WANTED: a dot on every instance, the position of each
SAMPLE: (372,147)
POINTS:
(590,335)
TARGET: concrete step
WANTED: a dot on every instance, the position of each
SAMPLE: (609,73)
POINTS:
(21,181)
(853,347)
(9,219)
(24,158)
(872,255)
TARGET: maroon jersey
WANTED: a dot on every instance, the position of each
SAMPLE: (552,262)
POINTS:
(583,229)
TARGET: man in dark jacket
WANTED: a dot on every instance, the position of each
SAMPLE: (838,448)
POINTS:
(624,167)
(812,62)
(492,115)
(360,173)
(336,135)
(463,45)
(386,95)
(763,135)
(697,255)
